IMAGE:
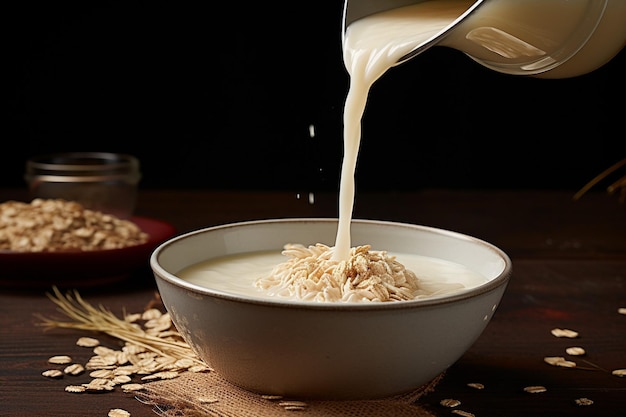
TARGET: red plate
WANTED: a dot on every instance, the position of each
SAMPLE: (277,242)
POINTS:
(82,269)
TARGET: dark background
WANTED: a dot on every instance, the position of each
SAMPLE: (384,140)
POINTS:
(222,96)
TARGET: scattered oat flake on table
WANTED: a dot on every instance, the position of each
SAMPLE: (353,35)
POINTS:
(103,350)
(575,351)
(101,373)
(621,310)
(450,402)
(60,359)
(52,373)
(619,372)
(124,370)
(75,388)
(118,412)
(583,401)
(559,361)
(87,342)
(100,384)
(476,385)
(121,379)
(566,364)
(564,333)
(132,387)
(535,389)
(553,360)
(74,369)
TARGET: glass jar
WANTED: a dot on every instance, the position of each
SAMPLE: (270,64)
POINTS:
(100,181)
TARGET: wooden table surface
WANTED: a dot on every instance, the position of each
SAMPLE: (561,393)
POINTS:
(569,271)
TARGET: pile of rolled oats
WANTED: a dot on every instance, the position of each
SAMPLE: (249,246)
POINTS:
(53,225)
(311,274)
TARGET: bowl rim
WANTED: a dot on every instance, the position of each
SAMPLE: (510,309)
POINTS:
(501,280)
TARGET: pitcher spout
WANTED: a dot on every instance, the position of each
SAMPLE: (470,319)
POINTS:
(544,38)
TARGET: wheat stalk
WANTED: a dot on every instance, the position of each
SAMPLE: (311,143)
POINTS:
(86,317)
(619,185)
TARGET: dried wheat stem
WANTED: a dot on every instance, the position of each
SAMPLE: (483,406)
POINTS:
(87,317)
(601,176)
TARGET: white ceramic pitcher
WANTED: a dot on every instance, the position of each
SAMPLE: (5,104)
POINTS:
(542,38)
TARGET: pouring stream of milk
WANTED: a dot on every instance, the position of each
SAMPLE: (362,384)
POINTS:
(371,46)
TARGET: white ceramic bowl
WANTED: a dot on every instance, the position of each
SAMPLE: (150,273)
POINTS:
(328,350)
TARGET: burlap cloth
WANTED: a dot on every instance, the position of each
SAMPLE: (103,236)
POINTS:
(207,394)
